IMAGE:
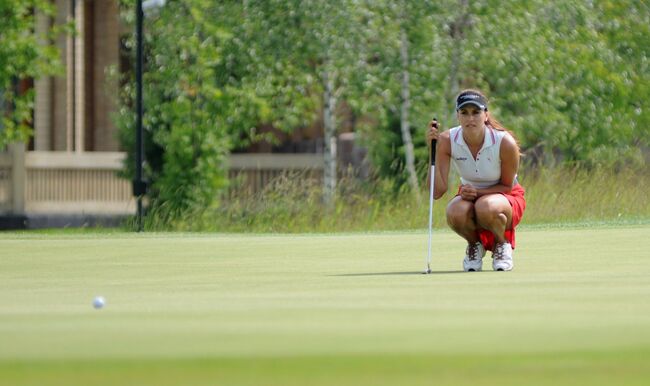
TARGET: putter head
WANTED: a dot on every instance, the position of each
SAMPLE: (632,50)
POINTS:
(427,271)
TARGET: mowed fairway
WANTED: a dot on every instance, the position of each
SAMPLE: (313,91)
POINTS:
(323,309)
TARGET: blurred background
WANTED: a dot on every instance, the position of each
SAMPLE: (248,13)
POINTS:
(309,116)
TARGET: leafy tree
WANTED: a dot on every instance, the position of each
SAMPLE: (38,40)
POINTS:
(562,79)
(571,79)
(191,119)
(401,84)
(24,54)
(307,48)
(259,58)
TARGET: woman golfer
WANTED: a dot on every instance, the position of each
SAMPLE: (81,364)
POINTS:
(490,201)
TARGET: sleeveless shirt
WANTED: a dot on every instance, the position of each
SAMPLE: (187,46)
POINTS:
(485,170)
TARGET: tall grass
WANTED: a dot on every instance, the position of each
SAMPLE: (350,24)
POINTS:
(576,195)
(293,203)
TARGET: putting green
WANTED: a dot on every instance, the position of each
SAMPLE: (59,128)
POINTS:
(322,309)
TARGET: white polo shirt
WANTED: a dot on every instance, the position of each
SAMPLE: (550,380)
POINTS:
(485,170)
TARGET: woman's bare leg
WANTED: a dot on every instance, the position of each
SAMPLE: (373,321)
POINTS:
(461,218)
(494,213)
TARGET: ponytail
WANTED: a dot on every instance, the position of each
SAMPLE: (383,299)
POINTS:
(496,125)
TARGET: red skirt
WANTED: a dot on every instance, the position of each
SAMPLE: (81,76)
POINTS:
(518,204)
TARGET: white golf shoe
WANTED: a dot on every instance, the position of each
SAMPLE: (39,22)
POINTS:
(502,257)
(473,260)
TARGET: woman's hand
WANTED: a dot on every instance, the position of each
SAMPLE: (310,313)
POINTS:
(432,132)
(468,193)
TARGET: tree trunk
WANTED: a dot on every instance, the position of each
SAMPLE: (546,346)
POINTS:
(329,104)
(457,32)
(406,102)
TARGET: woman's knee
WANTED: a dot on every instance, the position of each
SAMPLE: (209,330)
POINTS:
(490,209)
(460,214)
(484,206)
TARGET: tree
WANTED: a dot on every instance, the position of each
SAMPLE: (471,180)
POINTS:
(311,45)
(560,79)
(400,83)
(192,120)
(570,79)
(24,54)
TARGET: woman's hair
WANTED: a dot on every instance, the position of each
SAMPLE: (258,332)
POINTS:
(491,121)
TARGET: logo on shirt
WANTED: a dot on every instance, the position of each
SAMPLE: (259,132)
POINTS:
(461,158)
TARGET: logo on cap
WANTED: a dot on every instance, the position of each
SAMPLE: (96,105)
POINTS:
(474,99)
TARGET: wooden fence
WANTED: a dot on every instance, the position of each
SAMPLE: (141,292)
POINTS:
(250,173)
(37,182)
(6,173)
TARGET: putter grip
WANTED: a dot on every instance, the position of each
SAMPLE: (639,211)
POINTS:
(433,152)
(433,144)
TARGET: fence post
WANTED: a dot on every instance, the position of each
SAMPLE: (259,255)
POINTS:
(18,177)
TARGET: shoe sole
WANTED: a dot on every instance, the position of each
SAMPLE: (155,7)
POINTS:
(472,269)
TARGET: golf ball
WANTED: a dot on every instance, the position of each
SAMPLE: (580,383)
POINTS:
(99,302)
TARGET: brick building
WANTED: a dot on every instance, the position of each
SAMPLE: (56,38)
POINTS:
(67,173)
(73,111)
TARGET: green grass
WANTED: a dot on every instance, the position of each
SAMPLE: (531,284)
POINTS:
(202,309)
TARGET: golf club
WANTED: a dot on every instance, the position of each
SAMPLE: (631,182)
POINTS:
(433,177)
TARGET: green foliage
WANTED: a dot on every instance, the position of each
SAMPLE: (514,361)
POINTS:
(23,56)
(570,79)
(267,61)
(193,117)
(374,92)
(566,77)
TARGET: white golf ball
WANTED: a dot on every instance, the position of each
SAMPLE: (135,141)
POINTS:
(99,302)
